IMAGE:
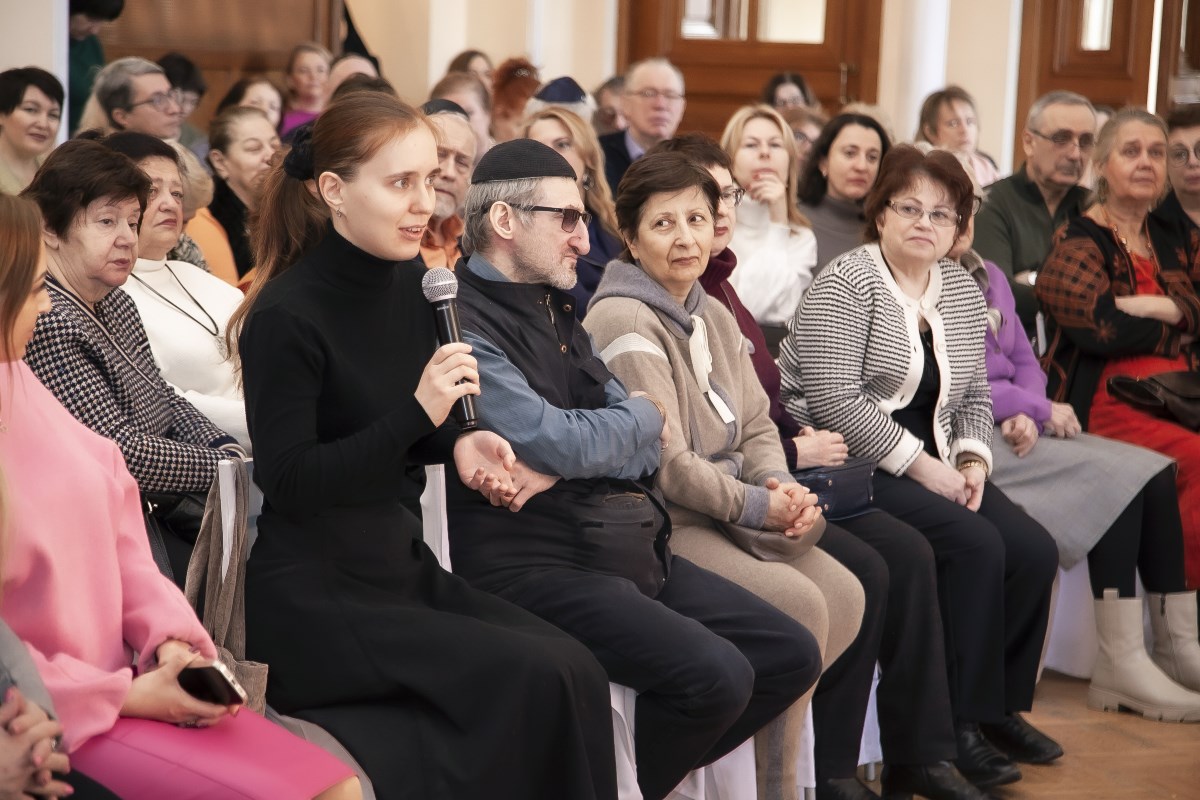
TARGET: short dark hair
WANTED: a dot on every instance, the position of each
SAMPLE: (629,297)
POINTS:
(1184,117)
(140,146)
(364,83)
(78,173)
(784,78)
(107,10)
(813,184)
(462,61)
(238,90)
(183,73)
(655,173)
(699,148)
(14,82)
(902,167)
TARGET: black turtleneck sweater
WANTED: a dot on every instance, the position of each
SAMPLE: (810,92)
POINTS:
(332,353)
(228,209)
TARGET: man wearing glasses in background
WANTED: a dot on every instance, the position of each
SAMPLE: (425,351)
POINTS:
(135,95)
(653,103)
(1022,211)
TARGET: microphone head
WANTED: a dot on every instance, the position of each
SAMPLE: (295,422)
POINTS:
(439,284)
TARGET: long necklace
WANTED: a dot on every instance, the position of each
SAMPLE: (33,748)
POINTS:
(1145,231)
(214,332)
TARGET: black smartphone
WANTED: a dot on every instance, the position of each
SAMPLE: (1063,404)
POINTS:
(213,684)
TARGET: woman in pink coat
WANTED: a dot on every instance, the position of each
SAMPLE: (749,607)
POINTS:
(107,632)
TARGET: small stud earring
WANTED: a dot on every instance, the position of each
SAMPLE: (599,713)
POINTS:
(338,211)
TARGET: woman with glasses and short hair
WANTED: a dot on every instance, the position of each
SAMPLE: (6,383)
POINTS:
(1182,204)
(887,350)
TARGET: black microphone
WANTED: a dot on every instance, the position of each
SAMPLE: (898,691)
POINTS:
(440,288)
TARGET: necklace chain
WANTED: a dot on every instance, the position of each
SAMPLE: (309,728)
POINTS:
(216,329)
(1124,242)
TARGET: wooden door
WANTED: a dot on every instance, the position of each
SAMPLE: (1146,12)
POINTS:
(225,38)
(728,49)
(1098,48)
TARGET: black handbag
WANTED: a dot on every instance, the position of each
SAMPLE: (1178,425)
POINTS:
(178,514)
(1170,395)
(844,491)
(620,533)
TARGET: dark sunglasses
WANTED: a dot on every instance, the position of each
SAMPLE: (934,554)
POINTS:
(570,216)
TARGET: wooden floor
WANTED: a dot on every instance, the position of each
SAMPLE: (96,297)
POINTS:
(1117,756)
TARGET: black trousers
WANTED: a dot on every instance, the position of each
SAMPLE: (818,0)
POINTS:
(1146,537)
(902,629)
(995,571)
(711,662)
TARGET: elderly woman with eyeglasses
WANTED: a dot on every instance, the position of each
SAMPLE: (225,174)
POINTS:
(887,350)
(1182,204)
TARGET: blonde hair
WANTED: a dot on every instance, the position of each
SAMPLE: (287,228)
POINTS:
(598,196)
(197,183)
(731,140)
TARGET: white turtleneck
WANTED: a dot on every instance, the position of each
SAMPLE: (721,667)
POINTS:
(774,263)
(189,356)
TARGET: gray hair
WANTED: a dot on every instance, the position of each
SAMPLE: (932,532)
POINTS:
(1057,98)
(477,228)
(1107,140)
(656,61)
(113,88)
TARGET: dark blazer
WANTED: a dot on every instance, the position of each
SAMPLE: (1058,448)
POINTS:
(616,158)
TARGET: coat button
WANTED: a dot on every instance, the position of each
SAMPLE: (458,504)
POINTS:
(562,348)
(567,308)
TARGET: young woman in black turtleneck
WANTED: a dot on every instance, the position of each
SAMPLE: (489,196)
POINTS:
(439,691)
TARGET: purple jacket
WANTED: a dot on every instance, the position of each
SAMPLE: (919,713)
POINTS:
(1017,381)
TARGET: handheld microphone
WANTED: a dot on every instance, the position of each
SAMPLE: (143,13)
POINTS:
(440,288)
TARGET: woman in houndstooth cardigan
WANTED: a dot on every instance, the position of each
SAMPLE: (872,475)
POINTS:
(888,350)
(90,349)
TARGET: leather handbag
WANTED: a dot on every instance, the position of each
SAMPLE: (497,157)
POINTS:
(177,514)
(620,534)
(1170,395)
(843,491)
(773,545)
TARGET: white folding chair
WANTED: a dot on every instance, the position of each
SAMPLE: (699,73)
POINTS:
(731,778)
(307,731)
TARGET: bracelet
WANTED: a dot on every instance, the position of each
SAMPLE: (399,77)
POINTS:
(973,462)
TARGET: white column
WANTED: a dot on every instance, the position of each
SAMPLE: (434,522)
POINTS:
(912,59)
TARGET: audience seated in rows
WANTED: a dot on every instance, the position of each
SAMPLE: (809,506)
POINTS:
(590,549)
(883,327)
(1023,211)
(133,94)
(30,113)
(339,411)
(108,634)
(949,120)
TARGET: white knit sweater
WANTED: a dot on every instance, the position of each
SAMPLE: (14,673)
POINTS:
(853,355)
(775,263)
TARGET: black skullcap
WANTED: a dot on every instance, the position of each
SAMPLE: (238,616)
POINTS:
(443,106)
(519,159)
(562,90)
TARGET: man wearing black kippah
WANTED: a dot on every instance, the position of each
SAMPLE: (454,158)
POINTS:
(588,548)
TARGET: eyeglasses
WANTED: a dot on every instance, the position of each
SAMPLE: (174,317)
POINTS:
(570,216)
(733,195)
(802,138)
(938,216)
(161,100)
(1179,154)
(653,94)
(1064,139)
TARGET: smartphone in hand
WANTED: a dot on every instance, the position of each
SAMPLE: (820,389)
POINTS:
(213,684)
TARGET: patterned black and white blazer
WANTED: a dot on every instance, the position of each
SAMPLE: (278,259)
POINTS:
(853,355)
(168,445)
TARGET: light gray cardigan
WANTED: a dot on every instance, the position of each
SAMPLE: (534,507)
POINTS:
(853,355)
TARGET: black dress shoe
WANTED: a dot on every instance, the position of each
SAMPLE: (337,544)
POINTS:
(1021,741)
(980,762)
(940,781)
(844,789)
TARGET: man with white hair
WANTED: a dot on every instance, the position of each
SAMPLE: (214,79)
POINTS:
(653,103)
(1015,225)
(456,156)
(135,95)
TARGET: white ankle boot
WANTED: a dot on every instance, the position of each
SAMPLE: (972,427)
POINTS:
(1125,676)
(1176,648)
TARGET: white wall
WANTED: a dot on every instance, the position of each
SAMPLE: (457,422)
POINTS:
(33,33)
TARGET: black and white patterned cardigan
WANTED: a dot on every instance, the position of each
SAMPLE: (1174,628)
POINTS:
(853,355)
(168,445)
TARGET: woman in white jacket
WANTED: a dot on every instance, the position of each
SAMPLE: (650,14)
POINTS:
(776,248)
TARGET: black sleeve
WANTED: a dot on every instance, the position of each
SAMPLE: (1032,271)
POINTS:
(283,367)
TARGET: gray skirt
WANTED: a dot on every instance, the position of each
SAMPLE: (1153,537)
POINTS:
(1074,487)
